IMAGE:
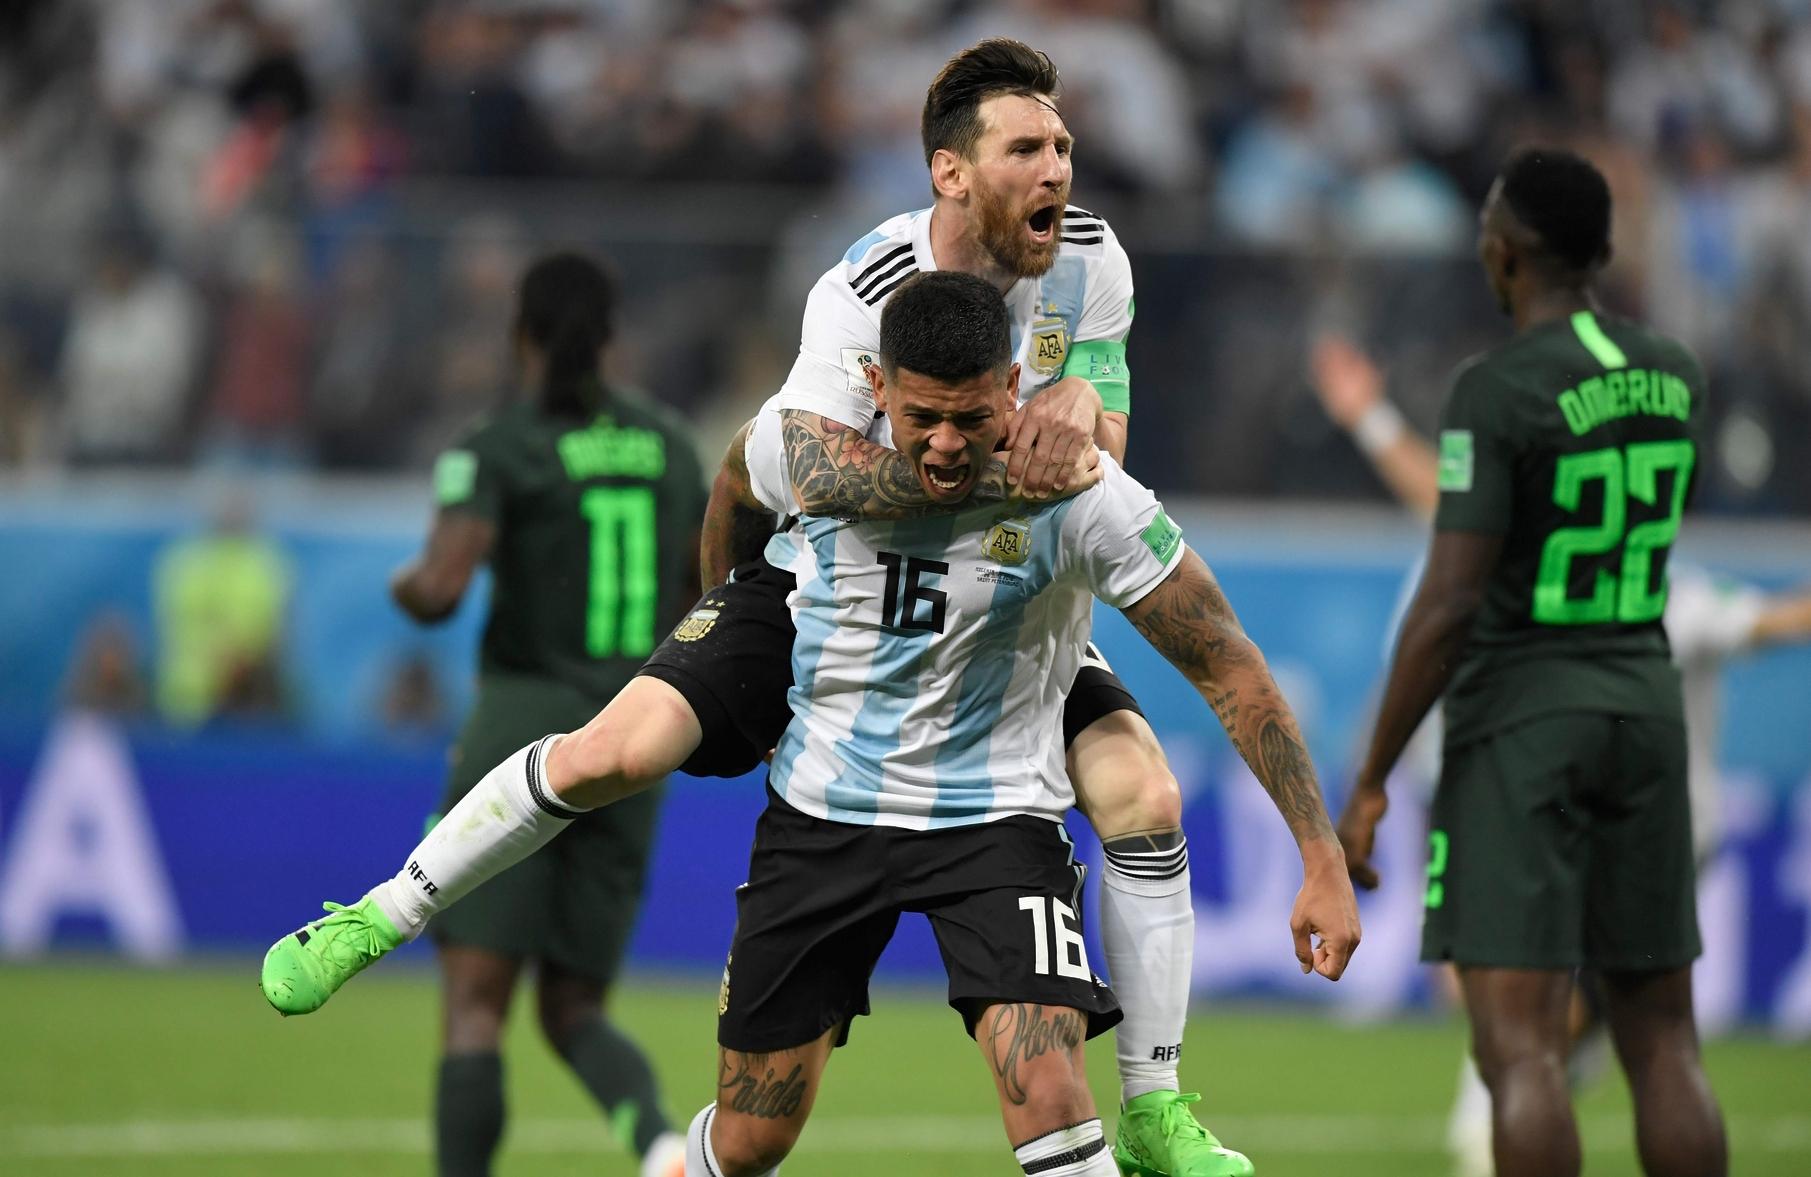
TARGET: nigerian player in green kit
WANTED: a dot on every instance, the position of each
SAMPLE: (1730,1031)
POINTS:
(1561,832)
(585,502)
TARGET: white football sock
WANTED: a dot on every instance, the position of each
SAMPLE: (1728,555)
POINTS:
(700,1154)
(1147,928)
(507,816)
(1076,1151)
(1468,1128)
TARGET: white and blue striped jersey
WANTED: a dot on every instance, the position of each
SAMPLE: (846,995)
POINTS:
(1085,297)
(934,655)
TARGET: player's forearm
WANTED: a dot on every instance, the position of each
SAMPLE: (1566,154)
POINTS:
(736,526)
(835,471)
(1783,622)
(1189,621)
(1110,435)
(1412,472)
(1427,651)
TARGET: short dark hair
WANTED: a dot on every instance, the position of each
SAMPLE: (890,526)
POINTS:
(946,325)
(567,308)
(1564,200)
(998,65)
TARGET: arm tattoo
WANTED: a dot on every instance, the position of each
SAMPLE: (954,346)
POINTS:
(1019,1033)
(1190,622)
(837,472)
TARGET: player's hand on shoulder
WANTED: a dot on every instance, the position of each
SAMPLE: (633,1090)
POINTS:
(1084,473)
(1048,434)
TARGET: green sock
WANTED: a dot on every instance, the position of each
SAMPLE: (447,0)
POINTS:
(468,1113)
(617,1075)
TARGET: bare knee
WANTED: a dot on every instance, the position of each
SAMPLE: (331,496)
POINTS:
(1507,1056)
(565,1006)
(477,987)
(1122,781)
(750,1144)
(640,739)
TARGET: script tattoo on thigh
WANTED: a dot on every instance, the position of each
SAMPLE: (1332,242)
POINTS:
(748,1084)
(1019,1033)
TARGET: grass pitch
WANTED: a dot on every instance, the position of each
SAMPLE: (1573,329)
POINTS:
(108,1070)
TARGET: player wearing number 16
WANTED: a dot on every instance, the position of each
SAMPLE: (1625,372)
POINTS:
(1561,831)
(584,500)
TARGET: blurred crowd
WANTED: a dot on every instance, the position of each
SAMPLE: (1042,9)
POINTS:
(283,233)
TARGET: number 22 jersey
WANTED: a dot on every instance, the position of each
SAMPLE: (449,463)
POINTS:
(1577,442)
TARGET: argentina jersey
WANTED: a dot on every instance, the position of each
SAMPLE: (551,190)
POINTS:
(933,656)
(1071,321)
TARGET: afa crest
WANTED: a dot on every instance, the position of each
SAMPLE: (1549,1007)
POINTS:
(697,623)
(1049,346)
(1008,542)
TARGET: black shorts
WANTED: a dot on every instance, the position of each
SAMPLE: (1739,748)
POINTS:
(822,899)
(1561,841)
(731,658)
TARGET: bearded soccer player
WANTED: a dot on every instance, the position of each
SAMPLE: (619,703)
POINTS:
(707,701)
(1562,833)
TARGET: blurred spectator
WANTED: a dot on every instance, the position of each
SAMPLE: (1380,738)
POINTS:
(470,364)
(129,359)
(107,674)
(360,401)
(413,703)
(257,401)
(742,144)
(220,599)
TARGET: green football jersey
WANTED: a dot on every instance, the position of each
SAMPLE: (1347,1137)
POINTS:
(1577,442)
(596,536)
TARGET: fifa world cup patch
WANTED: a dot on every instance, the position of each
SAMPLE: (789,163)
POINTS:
(697,623)
(1008,542)
(1049,346)
(856,362)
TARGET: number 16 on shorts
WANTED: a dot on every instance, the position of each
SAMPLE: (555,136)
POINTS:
(1053,926)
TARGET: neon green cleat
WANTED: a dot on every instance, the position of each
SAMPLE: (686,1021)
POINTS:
(306,967)
(1160,1137)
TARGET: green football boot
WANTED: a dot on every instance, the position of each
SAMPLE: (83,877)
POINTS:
(1160,1137)
(306,967)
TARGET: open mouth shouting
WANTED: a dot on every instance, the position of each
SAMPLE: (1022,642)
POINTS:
(1042,224)
(946,481)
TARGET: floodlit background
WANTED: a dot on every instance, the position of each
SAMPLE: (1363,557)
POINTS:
(256,268)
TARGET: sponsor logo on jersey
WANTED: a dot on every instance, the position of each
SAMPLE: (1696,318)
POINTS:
(1008,542)
(1049,346)
(697,623)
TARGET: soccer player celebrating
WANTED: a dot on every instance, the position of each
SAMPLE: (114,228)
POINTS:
(1562,832)
(585,504)
(712,700)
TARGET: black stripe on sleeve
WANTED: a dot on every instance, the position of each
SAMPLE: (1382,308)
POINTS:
(874,298)
(880,264)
